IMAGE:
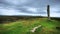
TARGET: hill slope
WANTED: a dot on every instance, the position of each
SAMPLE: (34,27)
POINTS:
(25,25)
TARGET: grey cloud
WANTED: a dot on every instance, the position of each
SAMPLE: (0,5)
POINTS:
(22,5)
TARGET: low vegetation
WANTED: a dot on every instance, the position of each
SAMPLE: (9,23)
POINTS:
(23,26)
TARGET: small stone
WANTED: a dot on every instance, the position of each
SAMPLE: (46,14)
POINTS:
(35,28)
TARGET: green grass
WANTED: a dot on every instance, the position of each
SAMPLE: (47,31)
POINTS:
(24,27)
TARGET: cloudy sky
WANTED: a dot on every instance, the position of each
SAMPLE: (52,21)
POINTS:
(29,7)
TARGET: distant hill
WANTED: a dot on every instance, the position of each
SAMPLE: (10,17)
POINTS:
(14,18)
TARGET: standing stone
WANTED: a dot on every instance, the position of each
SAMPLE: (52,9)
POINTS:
(48,11)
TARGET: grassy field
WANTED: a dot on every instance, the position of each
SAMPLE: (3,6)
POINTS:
(25,25)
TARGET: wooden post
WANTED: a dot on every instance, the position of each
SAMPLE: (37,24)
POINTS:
(48,11)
